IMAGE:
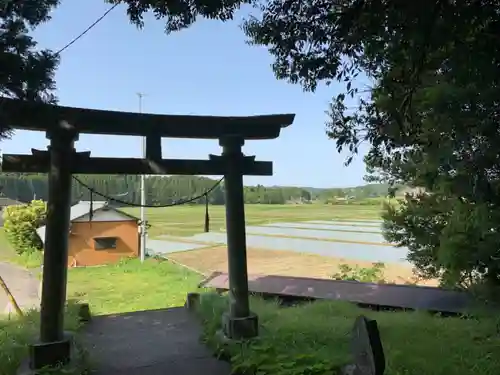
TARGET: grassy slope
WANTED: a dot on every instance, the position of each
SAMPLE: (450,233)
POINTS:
(415,343)
(188,220)
(131,286)
(313,334)
(317,335)
(128,286)
(16,333)
(5,249)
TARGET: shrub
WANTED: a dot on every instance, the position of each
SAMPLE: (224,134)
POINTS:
(374,274)
(20,224)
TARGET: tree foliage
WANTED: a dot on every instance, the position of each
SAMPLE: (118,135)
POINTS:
(160,190)
(166,190)
(21,223)
(25,72)
(180,14)
(430,112)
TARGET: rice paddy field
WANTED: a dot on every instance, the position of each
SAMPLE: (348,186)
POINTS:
(188,220)
(292,240)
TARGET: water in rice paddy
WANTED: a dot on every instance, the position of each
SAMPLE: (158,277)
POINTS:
(333,227)
(369,253)
(322,233)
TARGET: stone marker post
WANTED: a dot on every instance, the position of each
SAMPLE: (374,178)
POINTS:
(367,350)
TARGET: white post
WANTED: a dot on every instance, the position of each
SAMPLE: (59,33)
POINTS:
(143,193)
(40,287)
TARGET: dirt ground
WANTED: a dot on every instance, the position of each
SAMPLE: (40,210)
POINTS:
(287,263)
(22,284)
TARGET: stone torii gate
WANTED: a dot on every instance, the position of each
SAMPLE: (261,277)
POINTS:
(63,126)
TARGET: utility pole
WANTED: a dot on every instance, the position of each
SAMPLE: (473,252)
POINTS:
(143,192)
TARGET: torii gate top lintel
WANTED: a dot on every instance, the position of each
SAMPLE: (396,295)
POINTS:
(64,124)
(42,117)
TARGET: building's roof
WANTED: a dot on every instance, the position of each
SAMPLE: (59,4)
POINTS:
(82,208)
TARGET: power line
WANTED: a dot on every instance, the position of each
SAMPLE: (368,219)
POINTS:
(74,40)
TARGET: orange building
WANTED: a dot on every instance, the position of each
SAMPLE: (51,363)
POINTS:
(106,236)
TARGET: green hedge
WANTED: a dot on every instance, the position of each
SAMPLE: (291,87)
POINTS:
(20,224)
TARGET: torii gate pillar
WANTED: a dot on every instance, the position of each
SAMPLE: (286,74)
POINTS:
(53,346)
(238,322)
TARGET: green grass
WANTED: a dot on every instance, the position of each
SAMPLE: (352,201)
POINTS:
(6,251)
(4,244)
(189,220)
(126,286)
(308,339)
(314,339)
(27,260)
(16,333)
(131,286)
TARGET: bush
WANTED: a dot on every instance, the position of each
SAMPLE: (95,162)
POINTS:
(314,339)
(20,224)
(374,274)
(454,240)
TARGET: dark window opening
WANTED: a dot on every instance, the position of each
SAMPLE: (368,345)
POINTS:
(104,243)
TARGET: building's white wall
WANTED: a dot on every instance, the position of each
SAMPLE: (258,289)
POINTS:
(104,215)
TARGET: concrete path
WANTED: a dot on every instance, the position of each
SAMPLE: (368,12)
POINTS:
(22,284)
(156,342)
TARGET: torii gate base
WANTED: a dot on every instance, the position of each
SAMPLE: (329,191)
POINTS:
(63,125)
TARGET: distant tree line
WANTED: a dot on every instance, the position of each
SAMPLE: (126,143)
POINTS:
(355,193)
(166,190)
(159,190)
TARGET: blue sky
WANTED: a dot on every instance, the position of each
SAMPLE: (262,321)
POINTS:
(206,69)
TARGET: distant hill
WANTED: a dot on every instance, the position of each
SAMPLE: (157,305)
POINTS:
(354,192)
